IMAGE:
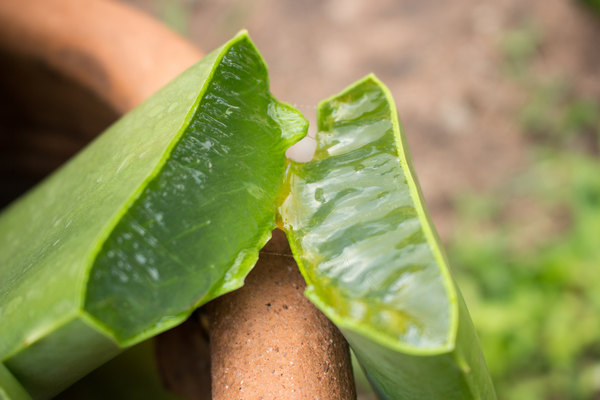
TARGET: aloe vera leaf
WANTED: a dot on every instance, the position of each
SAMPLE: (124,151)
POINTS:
(363,241)
(163,212)
(10,388)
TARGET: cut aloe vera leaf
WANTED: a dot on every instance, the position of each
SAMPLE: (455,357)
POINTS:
(163,212)
(371,258)
(10,388)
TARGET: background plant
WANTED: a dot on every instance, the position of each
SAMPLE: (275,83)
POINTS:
(528,252)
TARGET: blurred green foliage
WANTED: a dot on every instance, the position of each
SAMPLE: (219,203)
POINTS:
(519,46)
(593,5)
(527,255)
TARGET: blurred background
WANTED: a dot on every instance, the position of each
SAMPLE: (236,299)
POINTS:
(500,101)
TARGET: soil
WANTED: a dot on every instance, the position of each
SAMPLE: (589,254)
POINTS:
(443,61)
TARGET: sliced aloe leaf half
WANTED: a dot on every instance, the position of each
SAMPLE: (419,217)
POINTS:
(163,212)
(363,241)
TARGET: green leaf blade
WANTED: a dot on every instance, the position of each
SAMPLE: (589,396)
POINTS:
(10,388)
(363,241)
(221,182)
(163,212)
(51,234)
